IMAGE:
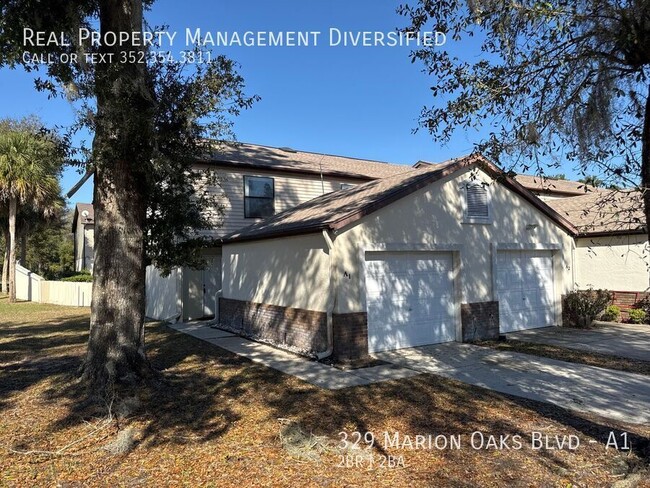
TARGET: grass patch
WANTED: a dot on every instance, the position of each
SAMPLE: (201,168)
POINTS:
(221,420)
(570,355)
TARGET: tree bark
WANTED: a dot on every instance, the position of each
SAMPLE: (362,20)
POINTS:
(122,150)
(5,264)
(645,164)
(13,206)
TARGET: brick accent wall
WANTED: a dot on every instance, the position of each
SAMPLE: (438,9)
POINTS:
(304,331)
(350,335)
(627,300)
(480,321)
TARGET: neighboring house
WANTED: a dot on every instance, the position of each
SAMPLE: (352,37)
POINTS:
(449,252)
(611,248)
(549,189)
(83,228)
(256,182)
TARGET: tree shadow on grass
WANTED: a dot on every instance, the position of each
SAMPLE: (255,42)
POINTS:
(203,388)
(31,354)
(194,397)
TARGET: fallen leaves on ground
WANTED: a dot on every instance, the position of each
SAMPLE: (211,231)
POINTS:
(221,420)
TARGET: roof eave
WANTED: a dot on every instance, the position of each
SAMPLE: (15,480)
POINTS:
(609,233)
(277,234)
(341,174)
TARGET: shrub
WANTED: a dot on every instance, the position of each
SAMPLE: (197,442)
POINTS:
(612,314)
(79,278)
(645,306)
(583,306)
(637,316)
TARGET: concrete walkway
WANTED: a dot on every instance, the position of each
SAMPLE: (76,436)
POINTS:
(318,374)
(624,340)
(612,394)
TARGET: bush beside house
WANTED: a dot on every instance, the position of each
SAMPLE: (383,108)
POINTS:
(580,308)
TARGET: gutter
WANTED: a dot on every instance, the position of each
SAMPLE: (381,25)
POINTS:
(331,299)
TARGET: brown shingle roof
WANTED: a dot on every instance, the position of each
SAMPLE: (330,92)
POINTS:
(338,209)
(604,212)
(552,186)
(246,155)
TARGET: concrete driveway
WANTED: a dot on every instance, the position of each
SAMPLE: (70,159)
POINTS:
(624,340)
(612,394)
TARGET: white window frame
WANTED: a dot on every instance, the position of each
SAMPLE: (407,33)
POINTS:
(473,219)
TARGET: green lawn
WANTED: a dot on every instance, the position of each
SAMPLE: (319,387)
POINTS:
(220,420)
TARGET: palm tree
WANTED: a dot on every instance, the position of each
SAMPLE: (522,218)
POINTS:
(591,180)
(29,168)
(28,220)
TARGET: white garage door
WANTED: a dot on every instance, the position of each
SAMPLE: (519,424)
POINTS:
(409,297)
(525,288)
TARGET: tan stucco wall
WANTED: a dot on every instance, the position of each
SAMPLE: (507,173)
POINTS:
(294,271)
(618,263)
(290,272)
(432,218)
(89,241)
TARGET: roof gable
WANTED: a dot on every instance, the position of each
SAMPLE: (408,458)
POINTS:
(79,210)
(336,210)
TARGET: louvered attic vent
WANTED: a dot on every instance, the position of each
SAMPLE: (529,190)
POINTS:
(477,201)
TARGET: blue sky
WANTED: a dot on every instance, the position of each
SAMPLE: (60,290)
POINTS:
(354,101)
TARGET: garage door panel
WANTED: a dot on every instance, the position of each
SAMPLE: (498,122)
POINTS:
(409,299)
(525,289)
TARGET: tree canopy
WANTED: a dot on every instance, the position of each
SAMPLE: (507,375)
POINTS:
(551,81)
(149,118)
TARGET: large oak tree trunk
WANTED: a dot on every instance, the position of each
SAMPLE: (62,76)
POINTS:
(645,164)
(13,206)
(122,154)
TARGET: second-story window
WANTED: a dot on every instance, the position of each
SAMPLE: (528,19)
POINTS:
(259,193)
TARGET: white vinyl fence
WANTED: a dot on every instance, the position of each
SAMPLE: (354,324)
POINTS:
(163,302)
(32,287)
(28,285)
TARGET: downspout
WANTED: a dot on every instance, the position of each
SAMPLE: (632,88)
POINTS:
(331,299)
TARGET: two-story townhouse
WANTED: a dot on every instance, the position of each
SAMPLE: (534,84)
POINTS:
(256,182)
(83,229)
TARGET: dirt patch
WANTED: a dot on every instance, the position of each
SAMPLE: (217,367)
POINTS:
(570,355)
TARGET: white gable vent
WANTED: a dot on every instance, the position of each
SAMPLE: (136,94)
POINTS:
(477,202)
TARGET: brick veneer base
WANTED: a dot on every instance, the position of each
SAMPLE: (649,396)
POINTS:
(350,335)
(301,330)
(480,321)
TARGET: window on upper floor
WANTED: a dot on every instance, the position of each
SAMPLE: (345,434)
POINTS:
(477,203)
(259,193)
(347,186)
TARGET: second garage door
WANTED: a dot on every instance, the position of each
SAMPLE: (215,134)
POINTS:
(525,288)
(409,297)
